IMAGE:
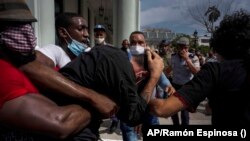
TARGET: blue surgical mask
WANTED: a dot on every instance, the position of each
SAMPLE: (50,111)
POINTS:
(76,47)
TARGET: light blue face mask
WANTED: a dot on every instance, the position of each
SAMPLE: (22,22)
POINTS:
(76,47)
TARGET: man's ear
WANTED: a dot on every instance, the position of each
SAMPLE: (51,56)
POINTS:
(141,74)
(62,32)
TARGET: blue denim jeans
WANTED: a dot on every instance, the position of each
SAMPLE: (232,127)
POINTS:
(128,133)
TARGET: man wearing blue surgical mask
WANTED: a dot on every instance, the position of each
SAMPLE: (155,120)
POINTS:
(72,33)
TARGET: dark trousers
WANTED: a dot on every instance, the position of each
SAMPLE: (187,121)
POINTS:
(184,118)
(184,113)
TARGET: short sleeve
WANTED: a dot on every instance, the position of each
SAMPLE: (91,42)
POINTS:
(201,86)
(13,83)
(56,54)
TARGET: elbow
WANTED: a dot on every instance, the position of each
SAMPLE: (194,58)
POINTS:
(68,130)
(71,124)
(157,111)
(156,107)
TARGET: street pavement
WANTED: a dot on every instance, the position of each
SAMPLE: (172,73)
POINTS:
(197,118)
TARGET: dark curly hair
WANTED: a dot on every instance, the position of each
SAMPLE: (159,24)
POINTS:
(232,38)
(64,20)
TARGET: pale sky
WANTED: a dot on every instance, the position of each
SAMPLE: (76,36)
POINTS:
(174,15)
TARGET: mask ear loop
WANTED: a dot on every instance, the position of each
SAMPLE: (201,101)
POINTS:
(65,30)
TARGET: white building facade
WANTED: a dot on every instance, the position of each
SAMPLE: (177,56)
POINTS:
(120,17)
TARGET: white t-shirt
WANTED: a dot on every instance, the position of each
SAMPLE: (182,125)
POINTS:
(56,54)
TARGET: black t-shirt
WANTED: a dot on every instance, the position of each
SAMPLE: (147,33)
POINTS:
(225,86)
(107,70)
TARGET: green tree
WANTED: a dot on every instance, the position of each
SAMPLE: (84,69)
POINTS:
(208,13)
(212,14)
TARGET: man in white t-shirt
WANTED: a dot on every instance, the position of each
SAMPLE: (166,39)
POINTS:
(72,33)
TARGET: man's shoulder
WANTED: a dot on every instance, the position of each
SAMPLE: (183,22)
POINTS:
(49,47)
(108,53)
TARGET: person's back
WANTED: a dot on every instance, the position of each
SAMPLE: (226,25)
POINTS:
(100,59)
(231,93)
(107,70)
(226,86)
(225,83)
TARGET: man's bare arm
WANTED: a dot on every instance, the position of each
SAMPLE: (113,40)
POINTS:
(53,80)
(166,107)
(44,59)
(37,113)
(155,67)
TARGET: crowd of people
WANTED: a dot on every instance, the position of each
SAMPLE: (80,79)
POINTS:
(64,91)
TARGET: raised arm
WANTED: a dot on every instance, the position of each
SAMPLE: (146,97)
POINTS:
(155,67)
(194,64)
